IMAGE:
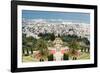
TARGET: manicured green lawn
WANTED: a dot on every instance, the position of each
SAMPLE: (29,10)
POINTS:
(29,59)
(84,56)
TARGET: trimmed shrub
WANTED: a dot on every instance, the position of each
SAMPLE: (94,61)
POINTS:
(65,57)
(74,58)
(50,57)
(41,60)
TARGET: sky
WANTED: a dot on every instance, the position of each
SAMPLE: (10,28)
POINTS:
(73,16)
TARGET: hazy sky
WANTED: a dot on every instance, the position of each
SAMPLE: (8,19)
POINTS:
(73,16)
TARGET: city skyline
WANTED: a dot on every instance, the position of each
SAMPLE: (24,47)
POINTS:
(51,15)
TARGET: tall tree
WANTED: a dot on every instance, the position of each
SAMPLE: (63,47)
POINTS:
(28,44)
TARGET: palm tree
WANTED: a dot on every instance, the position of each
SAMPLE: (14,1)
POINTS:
(74,47)
(43,50)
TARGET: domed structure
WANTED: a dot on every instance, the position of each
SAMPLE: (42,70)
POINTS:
(58,44)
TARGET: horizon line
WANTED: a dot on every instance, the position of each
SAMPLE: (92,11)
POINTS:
(54,20)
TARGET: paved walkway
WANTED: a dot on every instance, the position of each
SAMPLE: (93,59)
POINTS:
(58,56)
